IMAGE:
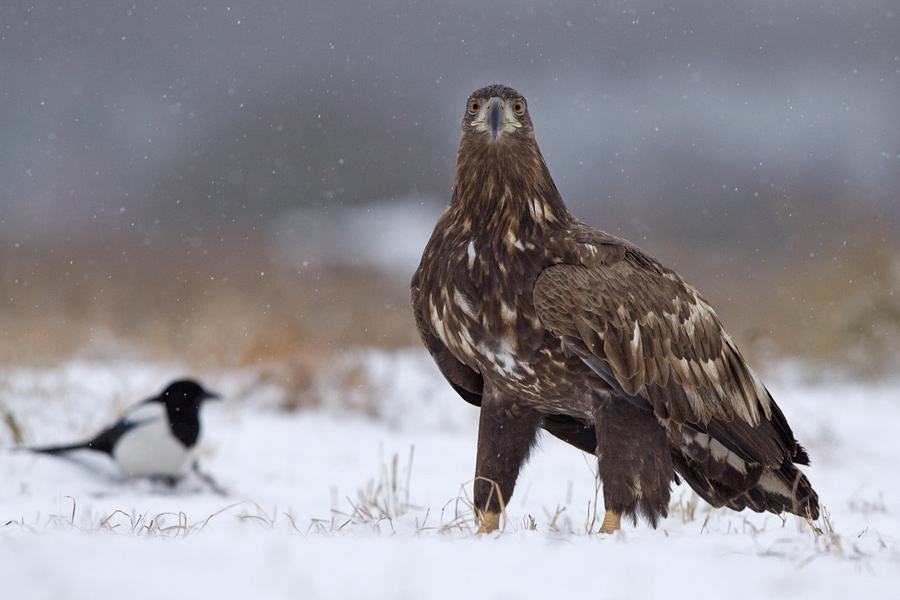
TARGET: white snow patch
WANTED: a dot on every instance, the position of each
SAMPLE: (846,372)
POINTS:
(388,235)
(288,523)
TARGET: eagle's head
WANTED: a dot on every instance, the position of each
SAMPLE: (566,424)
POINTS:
(496,114)
(501,177)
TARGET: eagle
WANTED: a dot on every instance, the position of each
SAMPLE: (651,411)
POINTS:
(545,323)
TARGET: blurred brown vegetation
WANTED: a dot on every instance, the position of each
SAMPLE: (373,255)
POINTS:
(224,303)
(206,305)
(831,301)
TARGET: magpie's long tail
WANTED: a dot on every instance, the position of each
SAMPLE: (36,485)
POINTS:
(57,450)
(104,442)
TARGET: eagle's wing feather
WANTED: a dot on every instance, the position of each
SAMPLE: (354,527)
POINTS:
(467,382)
(650,336)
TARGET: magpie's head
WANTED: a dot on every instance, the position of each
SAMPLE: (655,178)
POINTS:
(185,393)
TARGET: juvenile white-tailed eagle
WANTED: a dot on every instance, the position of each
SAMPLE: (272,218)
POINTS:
(546,323)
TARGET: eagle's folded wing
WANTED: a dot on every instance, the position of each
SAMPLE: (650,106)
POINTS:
(654,340)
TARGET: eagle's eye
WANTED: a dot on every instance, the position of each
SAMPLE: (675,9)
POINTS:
(519,107)
(474,106)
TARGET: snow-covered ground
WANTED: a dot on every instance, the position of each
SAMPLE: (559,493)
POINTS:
(333,503)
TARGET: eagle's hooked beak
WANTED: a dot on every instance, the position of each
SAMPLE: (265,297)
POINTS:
(495,118)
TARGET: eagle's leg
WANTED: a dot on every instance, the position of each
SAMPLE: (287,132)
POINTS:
(611,522)
(506,434)
(633,460)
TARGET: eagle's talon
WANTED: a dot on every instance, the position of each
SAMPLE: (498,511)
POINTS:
(611,522)
(488,522)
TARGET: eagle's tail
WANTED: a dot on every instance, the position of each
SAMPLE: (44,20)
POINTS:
(757,487)
(780,490)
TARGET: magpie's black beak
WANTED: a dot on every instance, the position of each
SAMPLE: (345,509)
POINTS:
(494,119)
(211,396)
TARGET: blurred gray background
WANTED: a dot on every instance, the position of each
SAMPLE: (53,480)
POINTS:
(155,149)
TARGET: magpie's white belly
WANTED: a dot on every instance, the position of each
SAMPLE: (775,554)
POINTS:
(150,449)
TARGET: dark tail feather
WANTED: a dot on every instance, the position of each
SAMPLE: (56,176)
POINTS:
(785,489)
(57,450)
(713,491)
(102,443)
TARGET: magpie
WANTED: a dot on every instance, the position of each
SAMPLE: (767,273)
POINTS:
(154,438)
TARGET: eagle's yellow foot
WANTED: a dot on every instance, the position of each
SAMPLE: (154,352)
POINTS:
(610,523)
(490,521)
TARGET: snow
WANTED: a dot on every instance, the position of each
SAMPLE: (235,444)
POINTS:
(387,235)
(338,503)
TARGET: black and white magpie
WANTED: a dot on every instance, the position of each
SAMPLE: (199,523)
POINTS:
(155,437)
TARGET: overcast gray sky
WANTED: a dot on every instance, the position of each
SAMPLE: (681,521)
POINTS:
(175,114)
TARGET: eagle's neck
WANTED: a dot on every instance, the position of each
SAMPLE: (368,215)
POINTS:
(505,190)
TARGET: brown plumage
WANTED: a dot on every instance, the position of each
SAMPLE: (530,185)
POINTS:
(547,323)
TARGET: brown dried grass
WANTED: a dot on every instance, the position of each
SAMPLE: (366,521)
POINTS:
(206,306)
(229,302)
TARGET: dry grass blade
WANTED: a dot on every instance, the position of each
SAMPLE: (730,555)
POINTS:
(181,527)
(529,523)
(592,509)
(687,509)
(463,513)
(554,523)
(382,499)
